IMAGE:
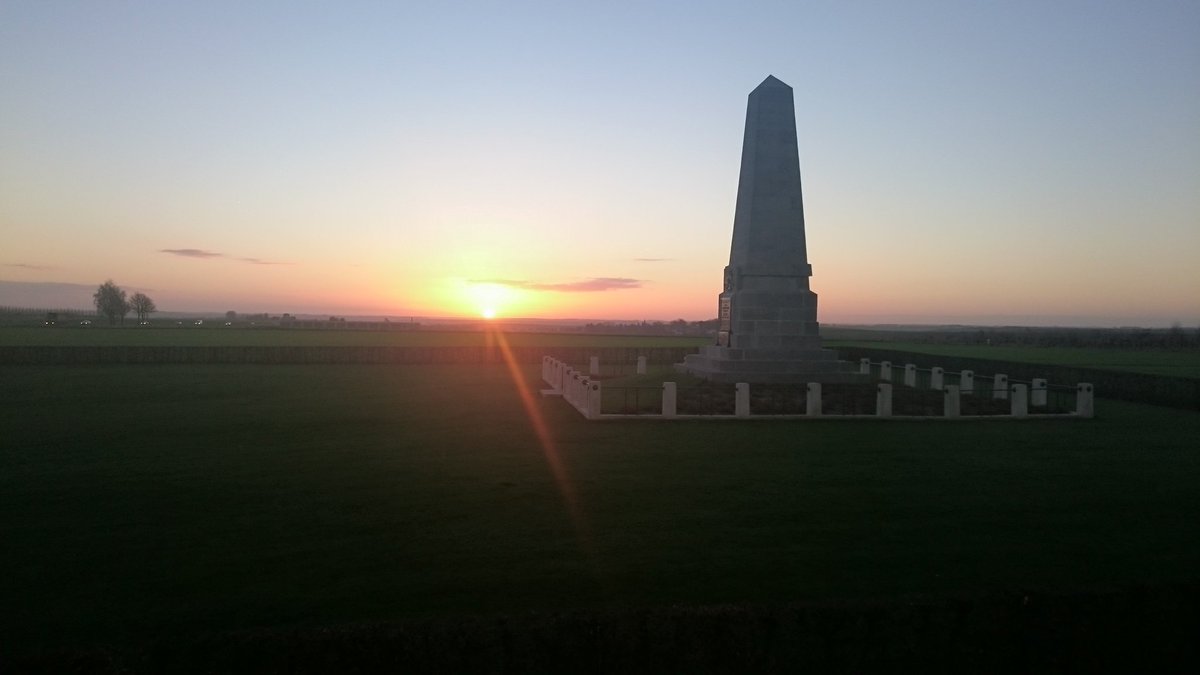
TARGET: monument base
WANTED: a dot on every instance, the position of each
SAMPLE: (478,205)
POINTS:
(769,366)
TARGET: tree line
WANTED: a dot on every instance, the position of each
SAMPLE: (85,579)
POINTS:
(676,327)
(112,303)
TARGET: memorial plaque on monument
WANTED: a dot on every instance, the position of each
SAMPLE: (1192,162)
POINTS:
(723,314)
(768,315)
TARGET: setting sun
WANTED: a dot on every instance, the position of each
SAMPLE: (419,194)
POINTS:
(490,299)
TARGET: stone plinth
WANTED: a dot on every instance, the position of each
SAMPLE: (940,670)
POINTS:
(771,366)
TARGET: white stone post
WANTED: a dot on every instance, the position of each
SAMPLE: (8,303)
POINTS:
(864,366)
(883,400)
(741,401)
(937,378)
(1037,392)
(1085,401)
(593,401)
(953,404)
(966,382)
(1000,387)
(1020,400)
(641,365)
(910,374)
(813,399)
(578,387)
(594,365)
(668,409)
(885,371)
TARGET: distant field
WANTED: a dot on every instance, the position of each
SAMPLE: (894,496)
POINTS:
(1153,362)
(264,337)
(153,502)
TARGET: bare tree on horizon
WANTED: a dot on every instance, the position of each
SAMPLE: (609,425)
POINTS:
(110,301)
(142,305)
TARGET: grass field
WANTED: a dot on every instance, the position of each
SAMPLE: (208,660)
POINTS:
(1154,362)
(1179,363)
(221,336)
(141,503)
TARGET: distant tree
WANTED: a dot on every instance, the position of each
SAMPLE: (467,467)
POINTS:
(110,302)
(142,305)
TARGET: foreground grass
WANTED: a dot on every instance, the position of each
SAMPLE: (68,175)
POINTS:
(141,503)
(222,336)
(1178,363)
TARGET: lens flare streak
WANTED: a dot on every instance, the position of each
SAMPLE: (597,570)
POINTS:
(553,457)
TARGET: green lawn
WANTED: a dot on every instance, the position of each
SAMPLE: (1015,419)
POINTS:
(254,337)
(142,503)
(1153,362)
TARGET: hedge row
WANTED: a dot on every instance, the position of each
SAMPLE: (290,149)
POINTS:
(1132,630)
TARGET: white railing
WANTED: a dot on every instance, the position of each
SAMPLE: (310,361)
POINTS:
(584,392)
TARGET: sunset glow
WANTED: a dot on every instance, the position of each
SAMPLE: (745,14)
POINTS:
(264,158)
(490,300)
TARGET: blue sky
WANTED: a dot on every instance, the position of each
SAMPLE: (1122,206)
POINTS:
(1027,162)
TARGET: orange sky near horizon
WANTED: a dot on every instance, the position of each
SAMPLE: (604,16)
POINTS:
(1006,163)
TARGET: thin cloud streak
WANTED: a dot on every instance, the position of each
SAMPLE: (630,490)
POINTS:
(191,253)
(257,261)
(653,259)
(27,266)
(201,254)
(593,285)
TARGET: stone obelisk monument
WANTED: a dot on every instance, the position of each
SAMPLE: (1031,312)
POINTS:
(769,330)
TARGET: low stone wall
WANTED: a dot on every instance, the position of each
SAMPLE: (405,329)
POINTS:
(476,355)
